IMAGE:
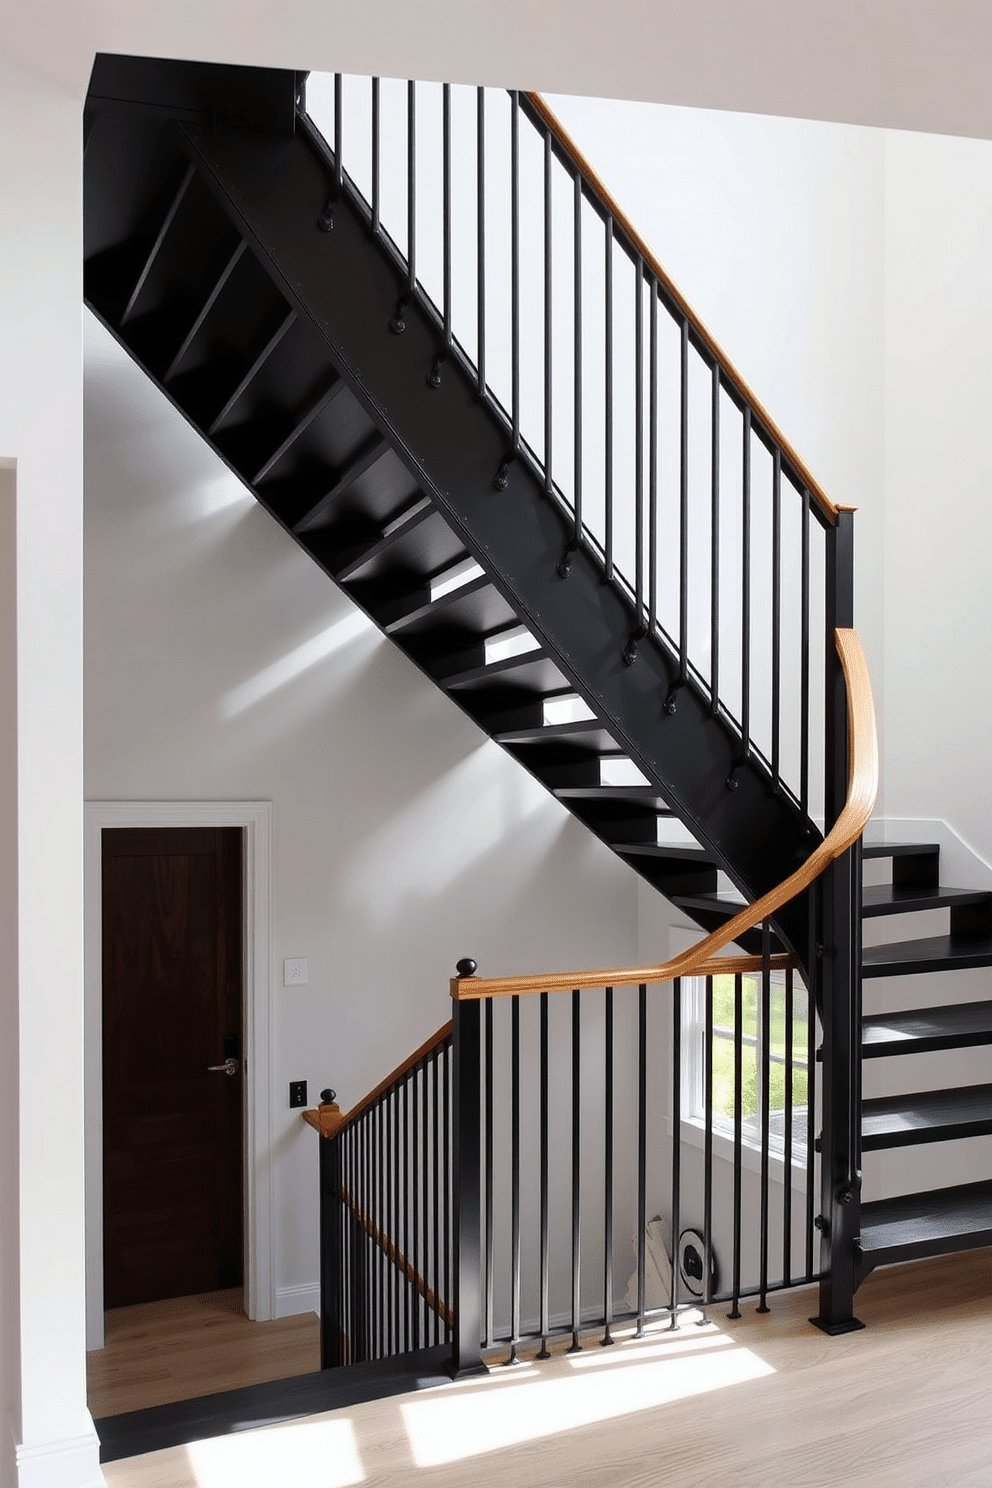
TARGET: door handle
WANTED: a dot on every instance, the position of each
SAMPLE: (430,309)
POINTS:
(229,1067)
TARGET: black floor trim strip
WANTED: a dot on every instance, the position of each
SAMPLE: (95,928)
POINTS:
(160,1426)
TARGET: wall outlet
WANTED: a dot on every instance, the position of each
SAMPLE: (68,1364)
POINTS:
(295,971)
(297,1093)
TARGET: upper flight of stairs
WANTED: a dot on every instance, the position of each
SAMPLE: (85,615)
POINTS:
(208,256)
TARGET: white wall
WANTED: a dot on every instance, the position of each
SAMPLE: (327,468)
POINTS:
(867,62)
(938,395)
(221,662)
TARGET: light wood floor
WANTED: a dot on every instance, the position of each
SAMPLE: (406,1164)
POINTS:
(767,1402)
(160,1352)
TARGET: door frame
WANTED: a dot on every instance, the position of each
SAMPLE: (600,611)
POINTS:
(255,820)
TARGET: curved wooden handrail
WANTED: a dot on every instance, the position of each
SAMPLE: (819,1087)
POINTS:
(699,960)
(332,1122)
(829,508)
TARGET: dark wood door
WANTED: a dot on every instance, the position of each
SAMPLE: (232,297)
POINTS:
(172,937)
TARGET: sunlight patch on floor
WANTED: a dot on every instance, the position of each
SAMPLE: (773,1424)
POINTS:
(321,1454)
(448,1428)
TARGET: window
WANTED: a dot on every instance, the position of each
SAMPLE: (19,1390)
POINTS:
(781,1074)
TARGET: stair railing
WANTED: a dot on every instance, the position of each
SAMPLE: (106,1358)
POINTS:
(611,390)
(539,1115)
(386,1213)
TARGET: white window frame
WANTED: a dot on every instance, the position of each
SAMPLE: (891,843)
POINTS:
(693,1117)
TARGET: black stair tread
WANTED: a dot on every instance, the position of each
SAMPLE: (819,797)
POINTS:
(476,604)
(923,1030)
(899,849)
(919,1224)
(585,731)
(532,671)
(421,540)
(727,901)
(675,851)
(880,899)
(638,795)
(930,953)
(926,1116)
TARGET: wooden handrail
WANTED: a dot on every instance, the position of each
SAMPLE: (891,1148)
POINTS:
(333,1125)
(612,206)
(862,789)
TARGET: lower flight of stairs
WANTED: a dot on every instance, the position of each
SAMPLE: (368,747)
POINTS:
(943,1220)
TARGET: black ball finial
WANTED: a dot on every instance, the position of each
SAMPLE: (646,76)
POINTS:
(467,967)
(328,1097)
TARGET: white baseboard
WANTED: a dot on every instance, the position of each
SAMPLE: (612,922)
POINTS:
(292,1300)
(71,1462)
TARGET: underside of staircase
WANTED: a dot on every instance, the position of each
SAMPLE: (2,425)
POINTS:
(224,254)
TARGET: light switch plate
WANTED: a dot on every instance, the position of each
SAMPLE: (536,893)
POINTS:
(295,971)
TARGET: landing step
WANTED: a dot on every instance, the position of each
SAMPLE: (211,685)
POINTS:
(927,1224)
(927,1116)
(884,899)
(924,1030)
(900,849)
(137,1432)
(932,953)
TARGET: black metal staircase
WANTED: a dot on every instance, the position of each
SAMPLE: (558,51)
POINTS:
(233,257)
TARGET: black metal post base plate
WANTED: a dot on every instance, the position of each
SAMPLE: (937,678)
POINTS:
(834,1330)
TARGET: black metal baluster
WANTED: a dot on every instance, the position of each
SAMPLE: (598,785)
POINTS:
(642,1145)
(414,1258)
(424,1195)
(431,1204)
(811,1099)
(480,235)
(776,615)
(404,1244)
(766,1032)
(676,1143)
(376,159)
(446,1185)
(715,544)
(708,1148)
(804,659)
(787,1139)
(446,206)
(578,412)
(395,1231)
(514,1177)
(608,394)
(489,1172)
(549,359)
(411,187)
(545,1258)
(638,453)
(653,464)
(515,269)
(735,1310)
(576,1168)
(684,507)
(608,1169)
(338,134)
(746,590)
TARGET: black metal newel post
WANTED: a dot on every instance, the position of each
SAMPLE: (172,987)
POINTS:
(840,1177)
(466,1302)
(331,1256)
